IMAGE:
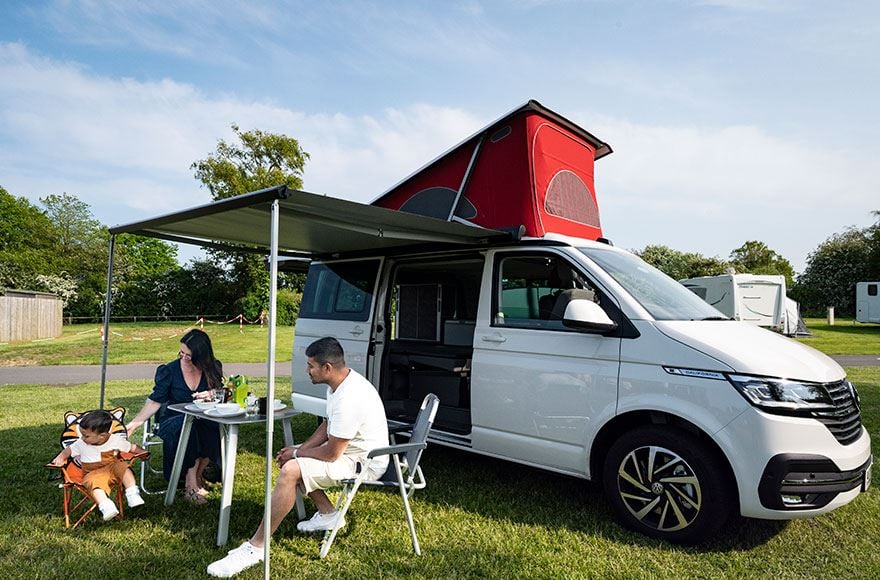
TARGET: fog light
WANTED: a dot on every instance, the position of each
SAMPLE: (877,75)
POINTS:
(792,499)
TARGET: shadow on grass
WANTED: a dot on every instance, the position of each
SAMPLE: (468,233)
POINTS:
(498,489)
(491,488)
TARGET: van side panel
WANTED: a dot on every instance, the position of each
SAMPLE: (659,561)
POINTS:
(539,396)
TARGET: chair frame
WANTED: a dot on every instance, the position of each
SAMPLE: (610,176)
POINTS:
(404,456)
(72,475)
(149,439)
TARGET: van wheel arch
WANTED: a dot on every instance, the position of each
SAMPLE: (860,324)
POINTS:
(614,429)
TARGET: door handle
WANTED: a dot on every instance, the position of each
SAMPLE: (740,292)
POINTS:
(494,338)
(357,331)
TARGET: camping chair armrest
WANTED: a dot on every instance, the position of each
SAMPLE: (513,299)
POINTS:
(402,448)
(129,456)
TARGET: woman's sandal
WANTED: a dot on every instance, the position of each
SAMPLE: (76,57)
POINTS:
(193,496)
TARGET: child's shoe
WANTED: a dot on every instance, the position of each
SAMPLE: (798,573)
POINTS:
(108,510)
(133,497)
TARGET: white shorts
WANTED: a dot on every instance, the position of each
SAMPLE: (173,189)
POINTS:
(317,474)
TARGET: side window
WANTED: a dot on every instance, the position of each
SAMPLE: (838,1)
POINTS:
(532,291)
(342,291)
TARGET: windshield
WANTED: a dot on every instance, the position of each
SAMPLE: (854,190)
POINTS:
(660,295)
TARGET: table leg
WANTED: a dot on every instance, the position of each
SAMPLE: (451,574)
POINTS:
(178,459)
(288,441)
(228,482)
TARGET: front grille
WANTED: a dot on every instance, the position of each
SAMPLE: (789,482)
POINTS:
(845,421)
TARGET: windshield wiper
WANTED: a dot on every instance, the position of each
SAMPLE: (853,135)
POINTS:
(716,318)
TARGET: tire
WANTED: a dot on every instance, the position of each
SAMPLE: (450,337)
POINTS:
(684,498)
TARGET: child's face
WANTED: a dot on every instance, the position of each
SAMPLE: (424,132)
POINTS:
(93,437)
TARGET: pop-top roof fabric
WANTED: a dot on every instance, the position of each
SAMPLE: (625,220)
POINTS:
(530,168)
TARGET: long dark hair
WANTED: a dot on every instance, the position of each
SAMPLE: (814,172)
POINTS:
(203,356)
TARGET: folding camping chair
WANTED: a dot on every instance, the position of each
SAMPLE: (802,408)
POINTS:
(151,439)
(72,473)
(403,472)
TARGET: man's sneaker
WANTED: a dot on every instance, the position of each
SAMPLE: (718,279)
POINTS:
(241,558)
(320,522)
(133,498)
(108,510)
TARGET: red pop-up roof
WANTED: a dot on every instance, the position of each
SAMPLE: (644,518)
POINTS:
(531,167)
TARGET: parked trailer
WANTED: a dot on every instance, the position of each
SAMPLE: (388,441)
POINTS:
(756,298)
(868,302)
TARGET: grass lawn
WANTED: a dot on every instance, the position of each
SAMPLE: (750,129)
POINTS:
(152,342)
(845,337)
(477,518)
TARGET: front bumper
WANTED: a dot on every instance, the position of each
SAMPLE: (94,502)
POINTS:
(754,438)
(808,482)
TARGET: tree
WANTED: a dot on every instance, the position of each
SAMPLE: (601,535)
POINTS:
(257,161)
(81,242)
(832,271)
(140,257)
(874,252)
(680,265)
(754,257)
(27,246)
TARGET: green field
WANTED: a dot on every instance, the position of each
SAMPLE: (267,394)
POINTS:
(153,342)
(477,518)
(845,337)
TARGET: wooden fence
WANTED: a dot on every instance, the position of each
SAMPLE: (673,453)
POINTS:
(29,315)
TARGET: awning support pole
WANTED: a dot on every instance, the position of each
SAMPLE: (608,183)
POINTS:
(270,386)
(106,338)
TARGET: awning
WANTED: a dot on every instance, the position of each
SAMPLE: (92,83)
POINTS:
(310,225)
(283,222)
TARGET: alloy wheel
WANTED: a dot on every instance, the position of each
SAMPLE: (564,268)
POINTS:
(659,488)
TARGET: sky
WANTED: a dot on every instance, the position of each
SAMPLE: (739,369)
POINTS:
(730,120)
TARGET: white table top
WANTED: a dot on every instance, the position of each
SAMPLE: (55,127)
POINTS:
(241,419)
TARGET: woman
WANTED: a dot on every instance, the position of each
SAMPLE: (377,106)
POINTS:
(192,377)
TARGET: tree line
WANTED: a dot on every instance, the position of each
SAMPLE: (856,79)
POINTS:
(832,270)
(58,246)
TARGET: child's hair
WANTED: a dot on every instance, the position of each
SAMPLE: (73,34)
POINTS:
(97,421)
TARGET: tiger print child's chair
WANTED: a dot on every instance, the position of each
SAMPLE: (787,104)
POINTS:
(72,474)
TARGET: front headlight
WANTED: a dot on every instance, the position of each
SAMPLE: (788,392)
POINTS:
(782,396)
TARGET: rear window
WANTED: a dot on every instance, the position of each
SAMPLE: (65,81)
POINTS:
(342,291)
(872,289)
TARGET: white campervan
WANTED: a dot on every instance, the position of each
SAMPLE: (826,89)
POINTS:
(579,358)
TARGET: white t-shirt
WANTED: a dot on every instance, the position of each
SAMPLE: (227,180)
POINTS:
(89,454)
(355,412)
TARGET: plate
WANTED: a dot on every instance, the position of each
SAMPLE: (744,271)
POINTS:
(215,412)
(279,406)
(193,407)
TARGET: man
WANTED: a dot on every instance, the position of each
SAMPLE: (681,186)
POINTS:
(355,425)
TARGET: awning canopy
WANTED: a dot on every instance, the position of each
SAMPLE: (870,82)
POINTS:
(310,225)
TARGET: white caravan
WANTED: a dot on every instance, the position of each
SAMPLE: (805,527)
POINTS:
(756,298)
(579,358)
(868,302)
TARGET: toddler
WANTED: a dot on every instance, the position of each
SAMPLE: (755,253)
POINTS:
(98,452)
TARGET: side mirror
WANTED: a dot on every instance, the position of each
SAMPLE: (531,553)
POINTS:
(587,316)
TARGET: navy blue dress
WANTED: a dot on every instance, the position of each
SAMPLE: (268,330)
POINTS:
(204,438)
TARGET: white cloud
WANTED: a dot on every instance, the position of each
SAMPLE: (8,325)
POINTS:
(125,146)
(711,189)
(84,130)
